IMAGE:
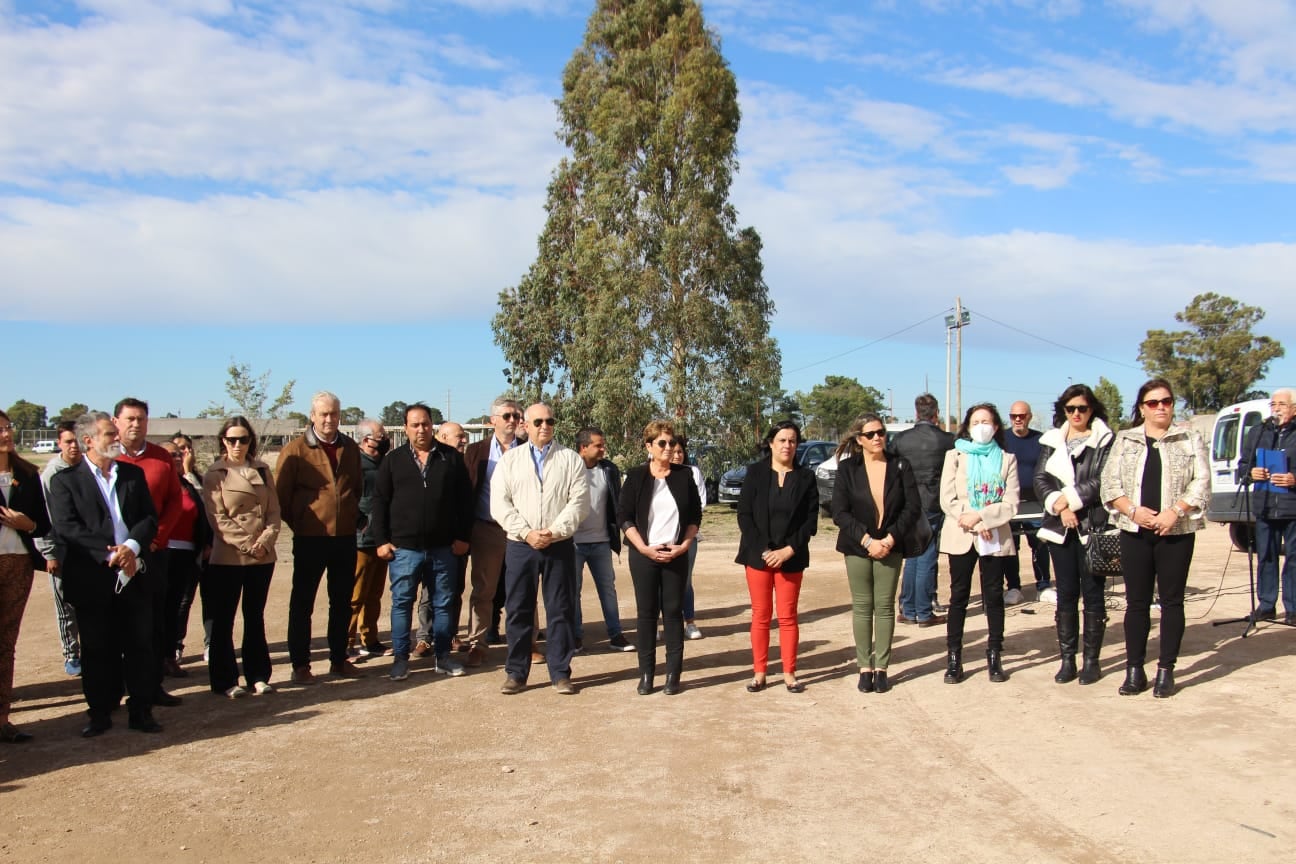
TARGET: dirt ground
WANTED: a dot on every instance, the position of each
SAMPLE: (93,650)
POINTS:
(436,769)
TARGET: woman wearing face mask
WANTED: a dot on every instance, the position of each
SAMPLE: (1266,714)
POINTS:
(1157,482)
(243,510)
(1068,477)
(979,495)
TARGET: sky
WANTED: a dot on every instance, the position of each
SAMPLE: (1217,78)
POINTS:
(336,192)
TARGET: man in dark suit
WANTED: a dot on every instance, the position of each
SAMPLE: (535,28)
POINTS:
(103,514)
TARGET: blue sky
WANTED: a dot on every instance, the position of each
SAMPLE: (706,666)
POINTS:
(337,191)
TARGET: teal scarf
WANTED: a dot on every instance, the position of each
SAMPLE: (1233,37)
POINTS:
(984,472)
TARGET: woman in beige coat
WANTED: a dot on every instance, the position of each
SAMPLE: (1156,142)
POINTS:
(243,510)
(979,495)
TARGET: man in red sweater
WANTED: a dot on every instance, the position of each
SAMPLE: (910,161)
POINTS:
(131,419)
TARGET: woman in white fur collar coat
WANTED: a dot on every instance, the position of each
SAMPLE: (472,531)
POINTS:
(1068,479)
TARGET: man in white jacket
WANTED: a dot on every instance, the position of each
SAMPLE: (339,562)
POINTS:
(538,495)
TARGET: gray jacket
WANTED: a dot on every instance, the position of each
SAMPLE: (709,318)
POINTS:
(49,545)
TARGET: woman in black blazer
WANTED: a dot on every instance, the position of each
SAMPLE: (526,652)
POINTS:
(778,513)
(22,517)
(877,508)
(660,513)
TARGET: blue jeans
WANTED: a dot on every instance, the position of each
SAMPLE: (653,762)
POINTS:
(920,576)
(1268,534)
(599,558)
(411,568)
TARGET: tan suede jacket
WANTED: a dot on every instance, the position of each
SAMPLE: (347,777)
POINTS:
(315,501)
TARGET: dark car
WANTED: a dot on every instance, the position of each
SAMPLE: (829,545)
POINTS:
(809,455)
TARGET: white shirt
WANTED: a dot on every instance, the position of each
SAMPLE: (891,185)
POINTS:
(663,515)
(108,489)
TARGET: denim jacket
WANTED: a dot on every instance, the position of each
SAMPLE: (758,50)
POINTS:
(1185,474)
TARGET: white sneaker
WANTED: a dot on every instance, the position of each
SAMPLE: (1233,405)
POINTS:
(691,630)
(1048,595)
(446,666)
(1012,597)
(261,688)
(236,692)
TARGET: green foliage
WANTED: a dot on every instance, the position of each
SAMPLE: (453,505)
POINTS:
(1218,360)
(70,413)
(298,417)
(831,406)
(351,415)
(393,415)
(1110,396)
(250,395)
(642,283)
(26,415)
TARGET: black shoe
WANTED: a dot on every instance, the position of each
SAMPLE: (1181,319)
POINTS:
(1264,615)
(145,723)
(11,734)
(866,682)
(96,727)
(994,665)
(796,687)
(1164,686)
(754,686)
(166,700)
(645,684)
(1067,672)
(672,684)
(954,667)
(1135,681)
(1090,672)
(880,683)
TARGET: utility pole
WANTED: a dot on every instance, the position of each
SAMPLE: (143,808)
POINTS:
(960,319)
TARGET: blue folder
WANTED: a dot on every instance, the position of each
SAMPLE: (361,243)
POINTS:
(1276,462)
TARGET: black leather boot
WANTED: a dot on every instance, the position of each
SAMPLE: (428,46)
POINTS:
(1094,627)
(672,684)
(1135,681)
(880,682)
(994,665)
(954,667)
(645,684)
(1068,627)
(1164,686)
(865,682)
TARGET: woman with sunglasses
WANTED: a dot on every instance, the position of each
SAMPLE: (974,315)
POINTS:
(1068,479)
(979,495)
(778,513)
(243,511)
(876,506)
(1157,482)
(660,512)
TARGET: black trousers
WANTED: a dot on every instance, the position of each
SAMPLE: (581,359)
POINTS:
(992,597)
(1148,560)
(159,573)
(117,648)
(1074,580)
(659,591)
(525,571)
(312,558)
(221,591)
(183,578)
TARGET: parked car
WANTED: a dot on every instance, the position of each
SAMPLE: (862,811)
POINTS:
(809,454)
(1229,504)
(826,473)
(45,447)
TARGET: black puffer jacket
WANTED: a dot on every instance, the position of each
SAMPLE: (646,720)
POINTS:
(1077,478)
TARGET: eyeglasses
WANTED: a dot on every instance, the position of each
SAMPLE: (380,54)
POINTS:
(1159,403)
(542,421)
(1076,409)
(237,440)
(665,443)
(1018,416)
(1279,404)
(509,416)
(375,438)
(872,434)
(6,428)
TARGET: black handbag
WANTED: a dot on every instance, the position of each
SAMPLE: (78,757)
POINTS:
(1102,552)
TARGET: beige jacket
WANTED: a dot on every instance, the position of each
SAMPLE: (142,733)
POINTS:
(954,501)
(520,503)
(1185,474)
(243,510)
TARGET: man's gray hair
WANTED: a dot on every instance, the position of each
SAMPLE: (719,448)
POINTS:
(87,425)
(325,396)
(367,427)
(500,404)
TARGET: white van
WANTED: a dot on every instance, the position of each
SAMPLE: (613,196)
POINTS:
(45,447)
(1228,503)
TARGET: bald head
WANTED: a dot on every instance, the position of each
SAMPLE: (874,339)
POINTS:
(540,423)
(1019,415)
(452,434)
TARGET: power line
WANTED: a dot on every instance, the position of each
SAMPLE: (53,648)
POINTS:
(870,344)
(1057,344)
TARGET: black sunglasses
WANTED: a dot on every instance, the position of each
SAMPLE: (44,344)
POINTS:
(663,443)
(233,440)
(873,434)
(1017,416)
(510,416)
(1076,409)
(543,421)
(1159,403)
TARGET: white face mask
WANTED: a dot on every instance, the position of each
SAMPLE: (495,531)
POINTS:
(982,433)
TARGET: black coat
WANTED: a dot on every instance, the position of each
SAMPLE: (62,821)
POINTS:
(855,513)
(1266,504)
(754,516)
(1088,466)
(925,446)
(636,498)
(28,497)
(84,527)
(414,511)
